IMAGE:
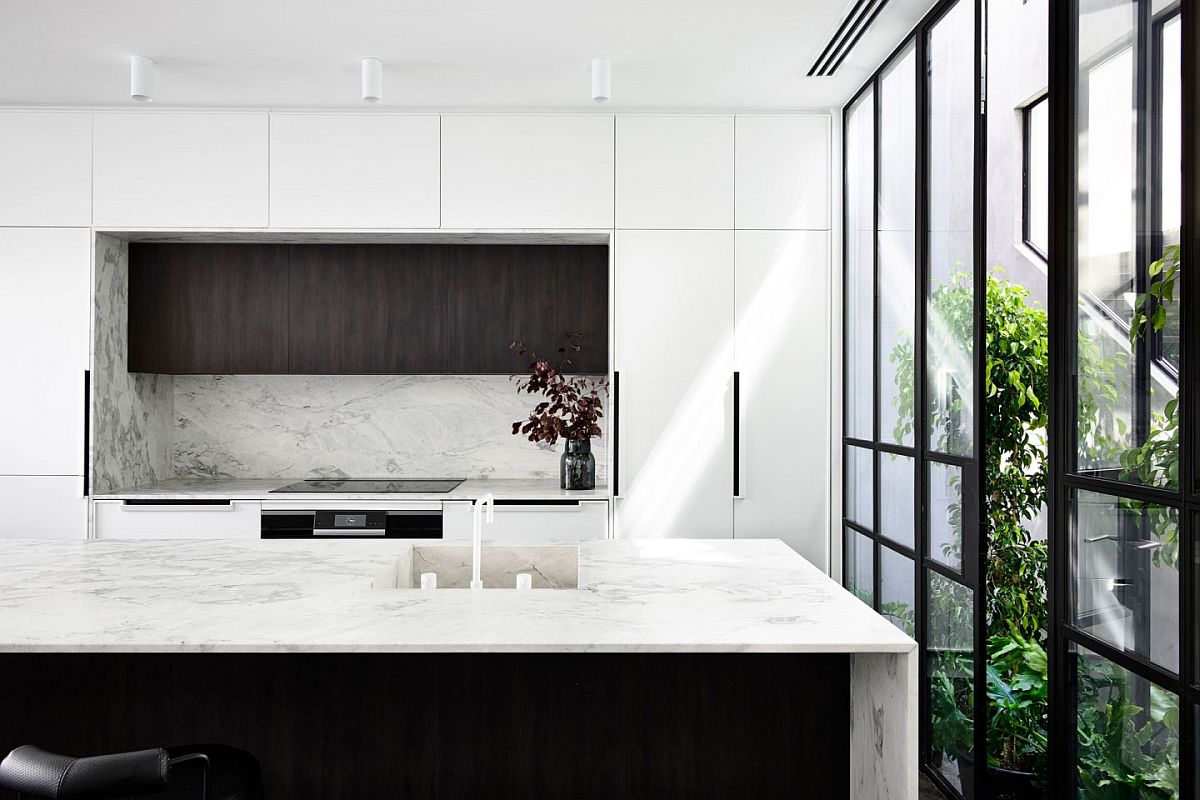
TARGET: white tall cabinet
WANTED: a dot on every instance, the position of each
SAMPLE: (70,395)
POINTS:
(674,353)
(44,314)
(781,356)
(722,269)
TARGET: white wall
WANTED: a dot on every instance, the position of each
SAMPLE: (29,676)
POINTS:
(757,184)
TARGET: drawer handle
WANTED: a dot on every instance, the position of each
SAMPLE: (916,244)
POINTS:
(176,505)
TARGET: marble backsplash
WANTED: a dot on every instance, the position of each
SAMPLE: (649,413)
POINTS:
(132,427)
(306,426)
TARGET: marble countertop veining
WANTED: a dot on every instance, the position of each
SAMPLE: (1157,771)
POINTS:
(261,488)
(646,595)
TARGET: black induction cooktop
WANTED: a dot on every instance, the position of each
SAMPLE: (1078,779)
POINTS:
(371,486)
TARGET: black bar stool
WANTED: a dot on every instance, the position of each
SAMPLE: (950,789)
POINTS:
(207,771)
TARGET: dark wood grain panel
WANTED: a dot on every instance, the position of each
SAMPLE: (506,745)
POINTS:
(443,309)
(318,309)
(208,308)
(578,725)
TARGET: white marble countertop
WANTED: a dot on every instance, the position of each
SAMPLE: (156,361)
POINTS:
(296,596)
(261,489)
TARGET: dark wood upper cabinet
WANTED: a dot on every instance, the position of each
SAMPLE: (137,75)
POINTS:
(368,308)
(208,308)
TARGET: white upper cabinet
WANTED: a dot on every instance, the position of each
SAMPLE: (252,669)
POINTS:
(674,339)
(44,313)
(354,171)
(782,355)
(45,168)
(675,172)
(162,170)
(783,177)
(534,171)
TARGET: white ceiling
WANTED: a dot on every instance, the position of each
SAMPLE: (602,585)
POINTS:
(438,54)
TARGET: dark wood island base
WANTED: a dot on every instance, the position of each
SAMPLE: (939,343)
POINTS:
(495,725)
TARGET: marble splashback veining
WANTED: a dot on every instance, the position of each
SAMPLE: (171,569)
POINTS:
(308,426)
(131,413)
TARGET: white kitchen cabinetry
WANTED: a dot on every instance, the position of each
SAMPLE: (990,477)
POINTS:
(529,171)
(157,170)
(237,520)
(674,353)
(42,507)
(675,172)
(45,168)
(44,313)
(354,171)
(532,522)
(783,177)
(782,357)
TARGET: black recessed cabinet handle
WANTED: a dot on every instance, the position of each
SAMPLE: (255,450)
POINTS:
(737,434)
(87,430)
(616,434)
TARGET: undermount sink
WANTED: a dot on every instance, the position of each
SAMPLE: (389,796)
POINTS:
(552,566)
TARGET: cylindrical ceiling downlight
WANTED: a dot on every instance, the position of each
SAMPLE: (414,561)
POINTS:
(601,80)
(372,80)
(141,79)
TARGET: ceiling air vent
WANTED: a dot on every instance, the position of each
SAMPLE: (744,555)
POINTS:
(853,26)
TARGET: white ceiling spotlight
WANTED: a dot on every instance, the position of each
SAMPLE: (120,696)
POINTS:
(601,80)
(141,79)
(372,80)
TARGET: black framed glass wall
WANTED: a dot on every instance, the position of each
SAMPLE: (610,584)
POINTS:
(1123,490)
(912,331)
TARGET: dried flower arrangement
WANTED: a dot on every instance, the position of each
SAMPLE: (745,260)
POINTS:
(574,404)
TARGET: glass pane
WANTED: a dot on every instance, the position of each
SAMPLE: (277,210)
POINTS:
(860,566)
(1128,733)
(860,481)
(896,498)
(1037,181)
(945,514)
(897,600)
(950,322)
(1128,416)
(897,238)
(1125,561)
(1169,196)
(860,266)
(949,651)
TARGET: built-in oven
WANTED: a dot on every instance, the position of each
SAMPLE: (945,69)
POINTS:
(368,520)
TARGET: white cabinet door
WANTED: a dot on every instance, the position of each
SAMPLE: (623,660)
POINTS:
(45,168)
(782,357)
(42,507)
(585,519)
(161,170)
(354,171)
(527,171)
(675,172)
(674,353)
(44,312)
(783,178)
(237,520)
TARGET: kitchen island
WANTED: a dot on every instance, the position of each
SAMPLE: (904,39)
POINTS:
(734,661)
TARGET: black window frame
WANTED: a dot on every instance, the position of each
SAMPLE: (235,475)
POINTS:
(973,568)
(1026,170)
